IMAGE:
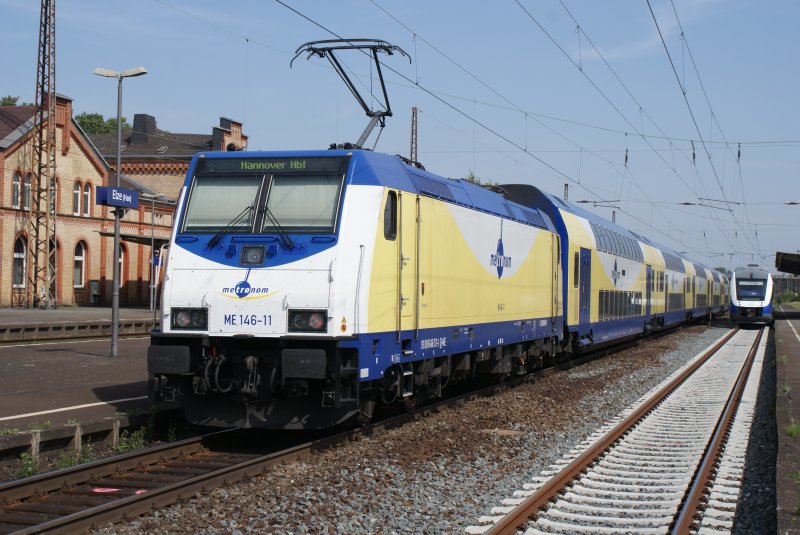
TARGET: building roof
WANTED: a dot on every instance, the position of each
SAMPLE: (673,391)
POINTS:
(15,122)
(146,141)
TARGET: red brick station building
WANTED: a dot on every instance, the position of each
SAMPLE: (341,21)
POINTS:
(154,163)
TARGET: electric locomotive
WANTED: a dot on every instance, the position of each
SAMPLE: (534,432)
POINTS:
(751,295)
(302,288)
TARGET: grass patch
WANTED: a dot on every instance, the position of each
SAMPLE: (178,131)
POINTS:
(36,426)
(70,457)
(8,431)
(785,388)
(172,432)
(792,429)
(133,441)
(28,466)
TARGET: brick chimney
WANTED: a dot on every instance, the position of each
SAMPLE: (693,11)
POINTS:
(143,126)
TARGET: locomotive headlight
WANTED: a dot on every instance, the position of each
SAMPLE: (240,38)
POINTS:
(189,318)
(252,255)
(308,320)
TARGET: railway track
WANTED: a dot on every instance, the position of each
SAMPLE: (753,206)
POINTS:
(87,496)
(78,498)
(91,495)
(653,471)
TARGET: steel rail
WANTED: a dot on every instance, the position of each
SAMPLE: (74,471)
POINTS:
(518,516)
(135,505)
(21,489)
(161,496)
(691,504)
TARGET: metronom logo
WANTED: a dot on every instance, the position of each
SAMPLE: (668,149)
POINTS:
(243,289)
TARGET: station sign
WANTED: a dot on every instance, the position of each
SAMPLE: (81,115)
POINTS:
(114,196)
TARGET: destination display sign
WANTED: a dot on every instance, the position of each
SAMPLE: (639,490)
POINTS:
(323,165)
(114,196)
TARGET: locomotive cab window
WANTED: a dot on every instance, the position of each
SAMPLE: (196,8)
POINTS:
(216,203)
(302,203)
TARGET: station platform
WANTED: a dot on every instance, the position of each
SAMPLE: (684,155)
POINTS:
(30,324)
(787,414)
(55,389)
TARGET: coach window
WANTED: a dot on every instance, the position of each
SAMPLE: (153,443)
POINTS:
(87,198)
(20,246)
(76,199)
(576,271)
(390,216)
(15,190)
(79,266)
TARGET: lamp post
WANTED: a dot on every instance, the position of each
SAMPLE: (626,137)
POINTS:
(136,71)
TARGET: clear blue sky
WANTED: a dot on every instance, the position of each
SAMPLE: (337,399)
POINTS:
(512,91)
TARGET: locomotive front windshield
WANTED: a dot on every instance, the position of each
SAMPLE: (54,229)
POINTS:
(265,195)
(751,289)
(216,201)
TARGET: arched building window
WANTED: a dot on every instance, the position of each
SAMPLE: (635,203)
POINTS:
(16,190)
(26,193)
(79,270)
(53,193)
(87,199)
(76,198)
(20,262)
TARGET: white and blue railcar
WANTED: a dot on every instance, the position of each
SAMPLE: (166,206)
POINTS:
(751,295)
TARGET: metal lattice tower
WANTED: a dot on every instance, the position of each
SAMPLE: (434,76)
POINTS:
(42,221)
(413,154)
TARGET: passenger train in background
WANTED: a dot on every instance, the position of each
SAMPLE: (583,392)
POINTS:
(304,288)
(751,295)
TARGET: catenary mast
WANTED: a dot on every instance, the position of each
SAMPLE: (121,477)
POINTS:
(42,221)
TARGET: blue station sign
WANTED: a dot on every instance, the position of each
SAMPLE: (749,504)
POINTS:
(114,196)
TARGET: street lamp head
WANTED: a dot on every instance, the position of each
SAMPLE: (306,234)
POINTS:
(136,71)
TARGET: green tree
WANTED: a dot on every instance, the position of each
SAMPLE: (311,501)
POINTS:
(8,100)
(94,123)
(471,177)
(725,271)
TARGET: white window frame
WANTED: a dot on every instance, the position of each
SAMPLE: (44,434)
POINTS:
(26,192)
(16,190)
(20,257)
(82,260)
(76,198)
(87,199)
(121,261)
